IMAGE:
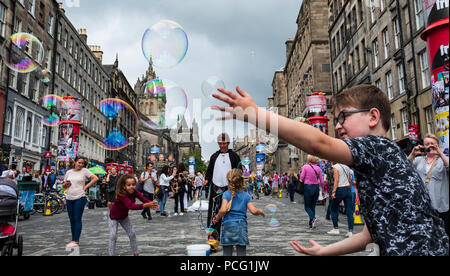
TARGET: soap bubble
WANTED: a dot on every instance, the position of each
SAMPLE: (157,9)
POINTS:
(46,76)
(27,53)
(274,222)
(170,105)
(165,44)
(211,85)
(52,102)
(114,141)
(272,208)
(111,108)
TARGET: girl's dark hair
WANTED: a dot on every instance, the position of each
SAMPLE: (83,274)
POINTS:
(181,167)
(120,187)
(165,170)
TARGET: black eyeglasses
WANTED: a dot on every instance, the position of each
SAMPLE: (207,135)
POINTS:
(343,115)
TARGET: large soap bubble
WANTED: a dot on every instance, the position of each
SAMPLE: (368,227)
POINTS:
(165,44)
(27,53)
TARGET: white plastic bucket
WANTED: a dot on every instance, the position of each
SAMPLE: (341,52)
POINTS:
(198,250)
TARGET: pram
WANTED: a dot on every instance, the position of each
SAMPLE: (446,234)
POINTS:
(9,211)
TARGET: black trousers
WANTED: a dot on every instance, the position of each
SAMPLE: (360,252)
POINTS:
(215,202)
(179,197)
(148,196)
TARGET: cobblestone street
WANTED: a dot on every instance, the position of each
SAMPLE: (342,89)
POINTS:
(169,236)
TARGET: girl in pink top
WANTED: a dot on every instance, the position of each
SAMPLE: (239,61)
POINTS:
(126,195)
(312,177)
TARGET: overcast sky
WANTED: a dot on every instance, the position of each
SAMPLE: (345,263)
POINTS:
(240,41)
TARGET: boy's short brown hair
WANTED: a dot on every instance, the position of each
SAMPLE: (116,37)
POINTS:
(365,96)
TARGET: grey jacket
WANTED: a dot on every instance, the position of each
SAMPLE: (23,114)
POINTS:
(438,186)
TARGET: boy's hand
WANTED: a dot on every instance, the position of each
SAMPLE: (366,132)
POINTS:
(241,107)
(313,251)
(262,213)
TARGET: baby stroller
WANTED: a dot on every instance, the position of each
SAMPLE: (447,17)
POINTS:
(9,211)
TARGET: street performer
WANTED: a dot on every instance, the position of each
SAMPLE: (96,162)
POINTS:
(220,164)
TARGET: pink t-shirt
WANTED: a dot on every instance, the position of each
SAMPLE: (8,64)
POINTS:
(309,177)
(78,180)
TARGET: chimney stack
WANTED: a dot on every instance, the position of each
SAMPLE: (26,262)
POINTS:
(97,51)
(289,44)
(83,34)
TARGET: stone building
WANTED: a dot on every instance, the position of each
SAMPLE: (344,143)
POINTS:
(126,122)
(307,69)
(379,42)
(79,72)
(24,136)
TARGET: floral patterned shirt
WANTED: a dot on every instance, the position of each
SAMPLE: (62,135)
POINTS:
(394,201)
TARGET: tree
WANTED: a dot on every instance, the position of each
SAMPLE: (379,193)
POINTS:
(199,164)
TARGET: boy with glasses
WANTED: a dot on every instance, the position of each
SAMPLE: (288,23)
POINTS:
(394,201)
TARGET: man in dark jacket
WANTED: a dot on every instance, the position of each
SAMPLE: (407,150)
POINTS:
(220,164)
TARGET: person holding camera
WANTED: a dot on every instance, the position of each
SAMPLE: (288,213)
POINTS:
(432,166)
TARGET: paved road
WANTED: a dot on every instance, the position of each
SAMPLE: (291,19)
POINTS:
(169,236)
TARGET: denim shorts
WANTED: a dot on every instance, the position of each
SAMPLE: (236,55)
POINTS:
(234,233)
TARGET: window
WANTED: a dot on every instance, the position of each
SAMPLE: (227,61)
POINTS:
(357,60)
(405,122)
(379,84)
(418,8)
(375,53)
(390,89)
(361,11)
(386,42)
(36,129)
(26,81)
(401,78)
(429,119)
(32,7)
(18,126)
(44,136)
(63,69)
(34,92)
(51,25)
(372,12)
(425,69)
(13,77)
(393,127)
(57,63)
(396,33)
(2,20)
(363,47)
(8,121)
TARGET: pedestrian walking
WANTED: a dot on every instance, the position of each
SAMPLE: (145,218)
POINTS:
(164,184)
(75,183)
(198,182)
(233,210)
(111,183)
(125,200)
(312,178)
(292,179)
(148,191)
(342,191)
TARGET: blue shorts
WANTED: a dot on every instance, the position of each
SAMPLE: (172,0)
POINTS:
(234,233)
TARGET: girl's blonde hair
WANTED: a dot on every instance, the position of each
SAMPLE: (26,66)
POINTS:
(235,183)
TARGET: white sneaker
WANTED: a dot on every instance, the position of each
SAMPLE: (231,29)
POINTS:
(314,223)
(349,234)
(333,232)
(181,214)
(176,214)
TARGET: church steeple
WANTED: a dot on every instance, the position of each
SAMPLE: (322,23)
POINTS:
(116,63)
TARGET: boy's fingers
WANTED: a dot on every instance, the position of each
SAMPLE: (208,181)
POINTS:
(223,99)
(241,92)
(227,92)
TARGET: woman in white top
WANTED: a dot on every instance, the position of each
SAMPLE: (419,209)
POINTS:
(164,183)
(75,183)
(342,191)
(198,184)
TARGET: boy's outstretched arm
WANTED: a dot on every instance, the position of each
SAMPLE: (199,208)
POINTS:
(305,137)
(355,243)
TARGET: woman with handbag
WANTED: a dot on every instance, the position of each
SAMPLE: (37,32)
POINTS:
(432,166)
(312,177)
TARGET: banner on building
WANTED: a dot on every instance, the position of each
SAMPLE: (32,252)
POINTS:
(191,166)
(437,38)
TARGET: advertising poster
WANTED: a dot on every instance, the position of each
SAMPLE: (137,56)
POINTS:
(246,166)
(192,166)
(316,104)
(68,141)
(71,109)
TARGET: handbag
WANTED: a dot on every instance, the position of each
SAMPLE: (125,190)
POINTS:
(299,185)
